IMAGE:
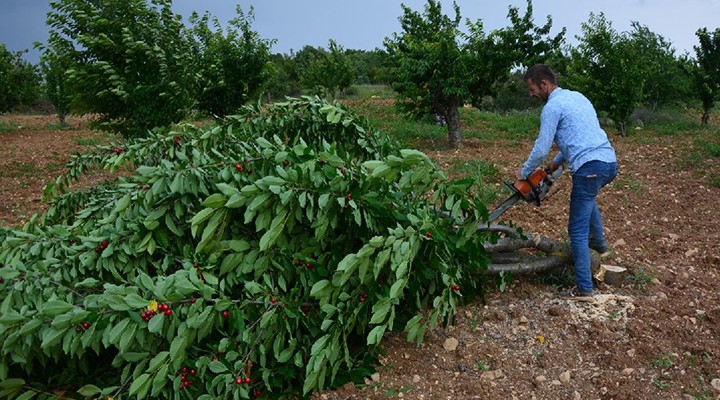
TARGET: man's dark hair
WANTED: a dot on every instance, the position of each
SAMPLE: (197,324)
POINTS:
(538,72)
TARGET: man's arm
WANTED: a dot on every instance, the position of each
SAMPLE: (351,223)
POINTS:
(549,120)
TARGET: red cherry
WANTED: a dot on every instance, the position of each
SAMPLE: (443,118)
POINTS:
(308,264)
(239,167)
(193,372)
(225,313)
(239,381)
(78,329)
(168,312)
(214,358)
(86,325)
(247,380)
(428,235)
(273,300)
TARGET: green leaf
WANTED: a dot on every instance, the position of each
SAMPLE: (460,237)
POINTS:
(396,288)
(135,301)
(159,359)
(12,383)
(52,337)
(27,395)
(140,386)
(215,200)
(375,335)
(156,324)
(30,327)
(217,367)
(56,307)
(319,287)
(89,390)
(276,227)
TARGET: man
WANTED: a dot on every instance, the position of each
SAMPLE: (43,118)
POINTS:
(569,120)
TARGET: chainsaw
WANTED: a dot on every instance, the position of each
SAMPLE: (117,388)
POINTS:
(532,190)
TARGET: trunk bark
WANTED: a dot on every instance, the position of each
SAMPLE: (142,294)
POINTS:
(705,117)
(453,123)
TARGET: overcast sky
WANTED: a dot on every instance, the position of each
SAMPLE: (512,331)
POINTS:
(363,24)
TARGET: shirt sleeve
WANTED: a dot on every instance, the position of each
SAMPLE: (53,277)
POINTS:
(549,120)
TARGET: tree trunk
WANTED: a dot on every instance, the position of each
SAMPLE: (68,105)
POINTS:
(705,117)
(453,123)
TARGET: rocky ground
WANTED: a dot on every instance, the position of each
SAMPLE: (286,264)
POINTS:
(657,336)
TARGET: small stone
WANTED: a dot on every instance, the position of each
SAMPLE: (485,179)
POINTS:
(493,375)
(619,243)
(416,378)
(628,371)
(631,353)
(565,377)
(715,384)
(375,377)
(450,344)
(576,395)
(539,380)
(692,252)
(523,320)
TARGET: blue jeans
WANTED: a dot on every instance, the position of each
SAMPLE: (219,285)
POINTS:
(585,225)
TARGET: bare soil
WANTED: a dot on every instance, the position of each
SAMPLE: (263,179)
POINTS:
(655,337)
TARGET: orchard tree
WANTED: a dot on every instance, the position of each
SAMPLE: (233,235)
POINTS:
(431,72)
(706,71)
(665,78)
(54,69)
(606,66)
(262,257)
(231,67)
(437,68)
(525,44)
(327,72)
(126,59)
(19,80)
(283,79)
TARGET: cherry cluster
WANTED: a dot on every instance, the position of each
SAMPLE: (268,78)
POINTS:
(363,296)
(149,314)
(199,273)
(102,246)
(184,381)
(84,326)
(118,150)
(455,287)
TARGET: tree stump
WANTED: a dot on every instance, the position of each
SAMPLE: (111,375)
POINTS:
(612,275)
(529,253)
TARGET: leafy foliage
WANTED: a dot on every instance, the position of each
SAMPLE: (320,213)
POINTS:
(230,67)
(125,59)
(252,258)
(606,66)
(325,72)
(438,69)
(665,78)
(19,81)
(706,71)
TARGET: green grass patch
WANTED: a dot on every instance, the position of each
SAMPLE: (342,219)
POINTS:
(515,125)
(7,126)
(369,91)
(19,169)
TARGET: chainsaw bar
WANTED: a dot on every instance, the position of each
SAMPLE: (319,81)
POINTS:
(532,190)
(504,206)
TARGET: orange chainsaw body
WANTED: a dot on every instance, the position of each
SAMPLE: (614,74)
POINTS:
(525,186)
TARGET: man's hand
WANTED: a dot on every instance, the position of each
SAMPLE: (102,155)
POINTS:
(552,166)
(518,173)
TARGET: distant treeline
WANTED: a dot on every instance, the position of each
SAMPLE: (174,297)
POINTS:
(155,71)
